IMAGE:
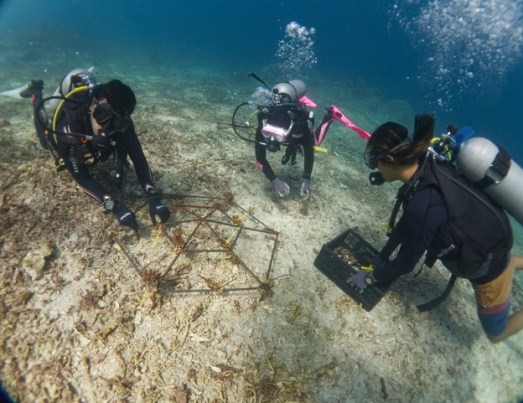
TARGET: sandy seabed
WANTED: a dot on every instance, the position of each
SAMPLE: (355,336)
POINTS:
(84,315)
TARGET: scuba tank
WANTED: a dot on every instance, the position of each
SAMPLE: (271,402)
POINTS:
(490,168)
(74,79)
(290,91)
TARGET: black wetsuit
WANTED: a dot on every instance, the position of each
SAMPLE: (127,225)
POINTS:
(472,240)
(79,155)
(300,135)
(422,217)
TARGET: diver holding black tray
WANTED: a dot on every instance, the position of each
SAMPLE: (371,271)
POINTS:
(449,217)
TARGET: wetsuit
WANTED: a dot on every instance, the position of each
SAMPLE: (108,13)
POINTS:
(78,155)
(422,217)
(428,225)
(301,134)
(467,232)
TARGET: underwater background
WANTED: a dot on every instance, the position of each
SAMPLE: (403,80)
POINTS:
(377,60)
(188,62)
(460,59)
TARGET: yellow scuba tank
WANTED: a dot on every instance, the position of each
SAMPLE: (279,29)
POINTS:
(491,169)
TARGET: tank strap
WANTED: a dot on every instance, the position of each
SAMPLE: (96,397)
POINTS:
(427,306)
(497,171)
(405,193)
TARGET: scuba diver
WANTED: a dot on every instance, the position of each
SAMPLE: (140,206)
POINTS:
(446,216)
(91,122)
(283,120)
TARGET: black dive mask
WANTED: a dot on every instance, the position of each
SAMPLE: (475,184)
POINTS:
(371,159)
(110,120)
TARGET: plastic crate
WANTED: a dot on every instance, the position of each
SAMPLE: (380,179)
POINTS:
(335,268)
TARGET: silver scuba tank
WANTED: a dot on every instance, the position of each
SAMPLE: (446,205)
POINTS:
(293,89)
(491,168)
(73,79)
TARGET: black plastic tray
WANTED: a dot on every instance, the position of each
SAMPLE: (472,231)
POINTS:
(332,265)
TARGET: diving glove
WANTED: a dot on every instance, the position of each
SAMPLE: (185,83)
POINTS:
(101,142)
(156,208)
(360,280)
(125,216)
(305,188)
(280,187)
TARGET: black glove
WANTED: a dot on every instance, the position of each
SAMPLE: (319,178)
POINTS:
(156,208)
(101,142)
(125,216)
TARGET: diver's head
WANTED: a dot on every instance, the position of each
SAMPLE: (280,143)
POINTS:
(113,104)
(385,143)
(393,152)
(288,92)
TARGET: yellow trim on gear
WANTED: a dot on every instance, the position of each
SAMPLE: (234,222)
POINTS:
(59,162)
(447,150)
(248,123)
(367,268)
(61,104)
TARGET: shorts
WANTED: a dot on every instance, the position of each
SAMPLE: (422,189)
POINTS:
(493,300)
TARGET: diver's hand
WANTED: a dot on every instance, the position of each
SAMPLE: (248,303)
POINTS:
(359,280)
(125,216)
(101,141)
(156,208)
(305,188)
(280,187)
(376,261)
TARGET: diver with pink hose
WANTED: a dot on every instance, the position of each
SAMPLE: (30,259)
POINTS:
(284,120)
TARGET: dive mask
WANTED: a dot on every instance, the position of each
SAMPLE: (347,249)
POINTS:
(275,133)
(110,120)
(371,159)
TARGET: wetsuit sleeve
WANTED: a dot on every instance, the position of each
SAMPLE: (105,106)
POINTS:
(76,166)
(261,155)
(71,152)
(141,166)
(421,219)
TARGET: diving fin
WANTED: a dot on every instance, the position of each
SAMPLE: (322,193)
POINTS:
(15,92)
(340,117)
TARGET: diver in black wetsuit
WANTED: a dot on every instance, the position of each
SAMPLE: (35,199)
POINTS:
(298,139)
(93,124)
(286,121)
(446,217)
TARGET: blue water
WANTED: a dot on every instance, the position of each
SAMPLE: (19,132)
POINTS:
(460,59)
